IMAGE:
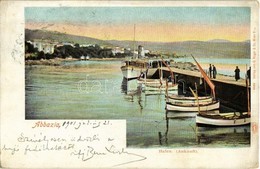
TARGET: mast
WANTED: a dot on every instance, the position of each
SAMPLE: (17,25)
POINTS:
(134,43)
(209,82)
(172,76)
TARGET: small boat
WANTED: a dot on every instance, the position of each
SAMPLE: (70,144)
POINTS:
(171,114)
(150,81)
(82,57)
(226,119)
(160,88)
(131,71)
(192,107)
(176,99)
(160,92)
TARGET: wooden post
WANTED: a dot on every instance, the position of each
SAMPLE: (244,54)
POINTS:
(195,95)
(166,91)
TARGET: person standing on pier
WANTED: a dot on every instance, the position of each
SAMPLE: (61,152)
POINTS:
(210,71)
(237,73)
(214,72)
(248,73)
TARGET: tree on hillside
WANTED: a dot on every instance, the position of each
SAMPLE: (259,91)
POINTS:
(41,55)
(29,48)
(76,45)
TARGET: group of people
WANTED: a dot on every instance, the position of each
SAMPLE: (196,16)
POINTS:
(248,74)
(212,71)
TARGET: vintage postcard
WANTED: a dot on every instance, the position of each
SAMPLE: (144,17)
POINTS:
(129,84)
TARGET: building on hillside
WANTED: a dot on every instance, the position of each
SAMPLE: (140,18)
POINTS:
(47,46)
(30,42)
(68,44)
(87,45)
(117,50)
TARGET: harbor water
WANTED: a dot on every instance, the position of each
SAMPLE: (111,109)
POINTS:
(96,90)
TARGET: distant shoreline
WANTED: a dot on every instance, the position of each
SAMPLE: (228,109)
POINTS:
(58,61)
(181,65)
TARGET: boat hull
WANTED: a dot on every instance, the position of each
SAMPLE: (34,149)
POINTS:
(149,81)
(156,89)
(191,107)
(130,73)
(159,92)
(178,97)
(160,88)
(222,122)
(171,114)
(190,100)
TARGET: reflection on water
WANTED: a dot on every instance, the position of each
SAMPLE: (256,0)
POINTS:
(203,136)
(95,90)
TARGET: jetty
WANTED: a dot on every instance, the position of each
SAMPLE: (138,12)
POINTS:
(230,92)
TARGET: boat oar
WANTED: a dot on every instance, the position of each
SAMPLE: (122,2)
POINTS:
(196,96)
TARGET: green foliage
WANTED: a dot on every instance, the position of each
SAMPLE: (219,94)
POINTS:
(75,52)
(29,48)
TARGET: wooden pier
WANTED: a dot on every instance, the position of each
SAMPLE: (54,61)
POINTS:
(230,92)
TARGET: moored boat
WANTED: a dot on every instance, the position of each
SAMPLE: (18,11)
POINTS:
(176,99)
(131,71)
(160,89)
(192,107)
(227,119)
(171,114)
(150,81)
(134,68)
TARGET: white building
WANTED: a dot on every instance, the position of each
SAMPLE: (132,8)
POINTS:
(87,45)
(117,50)
(68,44)
(46,46)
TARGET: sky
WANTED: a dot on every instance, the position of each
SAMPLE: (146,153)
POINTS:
(161,24)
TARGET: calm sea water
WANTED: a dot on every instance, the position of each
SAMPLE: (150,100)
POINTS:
(96,90)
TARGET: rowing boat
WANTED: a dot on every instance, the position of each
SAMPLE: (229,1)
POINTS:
(176,99)
(227,119)
(192,107)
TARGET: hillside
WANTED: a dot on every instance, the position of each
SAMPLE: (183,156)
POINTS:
(197,48)
(214,48)
(61,37)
